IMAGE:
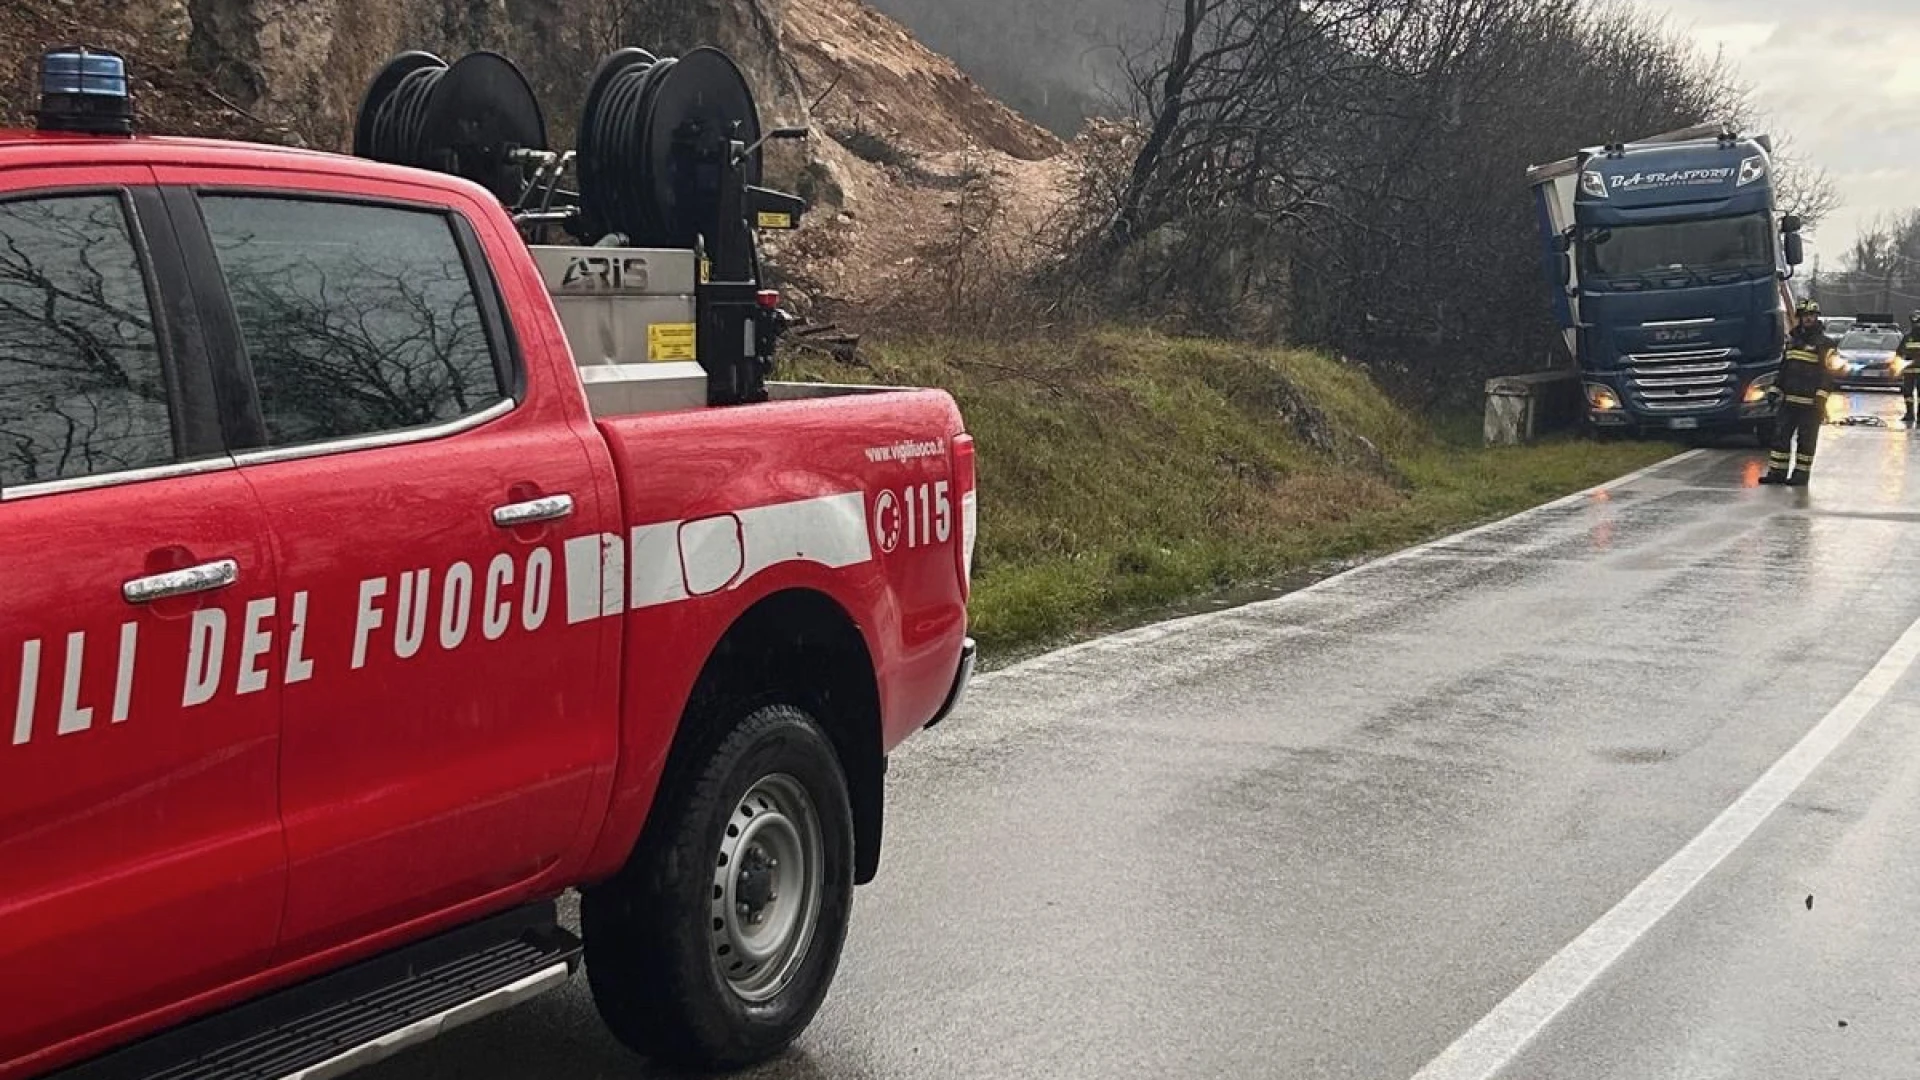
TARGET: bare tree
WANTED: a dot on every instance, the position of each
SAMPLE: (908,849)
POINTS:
(1350,173)
(1804,189)
(1880,272)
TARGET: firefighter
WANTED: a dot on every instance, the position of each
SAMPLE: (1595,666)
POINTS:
(1910,371)
(1806,378)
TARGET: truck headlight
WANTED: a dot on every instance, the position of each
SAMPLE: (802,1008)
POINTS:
(1898,364)
(1757,390)
(1602,398)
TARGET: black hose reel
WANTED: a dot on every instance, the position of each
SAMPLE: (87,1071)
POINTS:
(659,139)
(655,138)
(668,156)
(469,119)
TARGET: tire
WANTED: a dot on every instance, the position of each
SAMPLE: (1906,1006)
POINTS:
(750,854)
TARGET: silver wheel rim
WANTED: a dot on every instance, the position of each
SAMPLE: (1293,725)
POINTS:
(767,883)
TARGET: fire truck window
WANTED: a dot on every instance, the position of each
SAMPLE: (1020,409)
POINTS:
(357,319)
(81,389)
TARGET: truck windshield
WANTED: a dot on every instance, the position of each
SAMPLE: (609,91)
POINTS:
(1680,252)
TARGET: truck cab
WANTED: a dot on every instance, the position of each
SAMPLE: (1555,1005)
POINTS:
(1669,262)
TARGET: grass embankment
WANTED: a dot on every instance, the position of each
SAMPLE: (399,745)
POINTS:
(1124,472)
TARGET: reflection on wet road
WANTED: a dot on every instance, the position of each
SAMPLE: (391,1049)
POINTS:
(1324,836)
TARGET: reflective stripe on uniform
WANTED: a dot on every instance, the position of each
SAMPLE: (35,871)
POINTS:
(1795,399)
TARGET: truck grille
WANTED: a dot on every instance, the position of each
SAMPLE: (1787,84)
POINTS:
(1694,381)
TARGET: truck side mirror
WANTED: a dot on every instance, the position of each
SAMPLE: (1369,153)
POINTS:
(1796,249)
(1563,269)
(1790,224)
(1562,244)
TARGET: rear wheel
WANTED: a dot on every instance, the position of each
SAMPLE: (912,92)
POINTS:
(715,947)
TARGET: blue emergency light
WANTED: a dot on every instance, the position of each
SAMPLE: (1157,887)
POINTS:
(85,90)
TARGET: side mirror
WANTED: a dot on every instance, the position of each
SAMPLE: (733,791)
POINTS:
(1562,244)
(1563,269)
(1796,249)
(1790,224)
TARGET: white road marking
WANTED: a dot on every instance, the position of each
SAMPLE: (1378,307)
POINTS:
(1147,634)
(1492,1044)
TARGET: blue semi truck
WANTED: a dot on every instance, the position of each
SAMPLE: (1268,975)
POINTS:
(1669,264)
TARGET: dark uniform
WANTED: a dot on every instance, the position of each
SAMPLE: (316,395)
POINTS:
(1910,375)
(1805,382)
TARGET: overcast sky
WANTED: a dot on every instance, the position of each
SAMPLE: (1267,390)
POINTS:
(1841,77)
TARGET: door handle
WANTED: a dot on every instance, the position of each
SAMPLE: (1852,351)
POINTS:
(533,511)
(194,579)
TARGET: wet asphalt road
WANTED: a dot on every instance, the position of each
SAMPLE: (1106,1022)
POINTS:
(1325,835)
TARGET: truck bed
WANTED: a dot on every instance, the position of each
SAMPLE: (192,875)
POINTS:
(640,389)
(807,480)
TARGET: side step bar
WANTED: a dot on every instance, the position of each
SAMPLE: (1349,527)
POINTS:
(337,1023)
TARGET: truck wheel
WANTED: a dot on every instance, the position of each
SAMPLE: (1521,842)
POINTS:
(714,948)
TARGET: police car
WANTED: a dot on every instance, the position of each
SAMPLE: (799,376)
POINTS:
(1870,356)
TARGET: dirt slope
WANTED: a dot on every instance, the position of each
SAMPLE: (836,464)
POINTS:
(916,157)
(898,87)
(171,96)
(909,152)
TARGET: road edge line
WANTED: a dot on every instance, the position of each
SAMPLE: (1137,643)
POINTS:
(1141,635)
(1500,1036)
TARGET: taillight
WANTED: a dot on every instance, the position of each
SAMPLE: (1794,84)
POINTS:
(963,485)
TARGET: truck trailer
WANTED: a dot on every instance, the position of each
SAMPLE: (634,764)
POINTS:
(1669,263)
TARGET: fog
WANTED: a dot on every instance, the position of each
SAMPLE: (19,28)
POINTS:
(1057,61)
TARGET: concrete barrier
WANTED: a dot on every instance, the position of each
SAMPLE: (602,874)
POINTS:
(1521,408)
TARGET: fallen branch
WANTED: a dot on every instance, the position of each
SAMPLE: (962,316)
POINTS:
(230,103)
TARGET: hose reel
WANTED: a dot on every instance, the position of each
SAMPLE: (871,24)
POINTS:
(653,136)
(657,138)
(668,157)
(471,119)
